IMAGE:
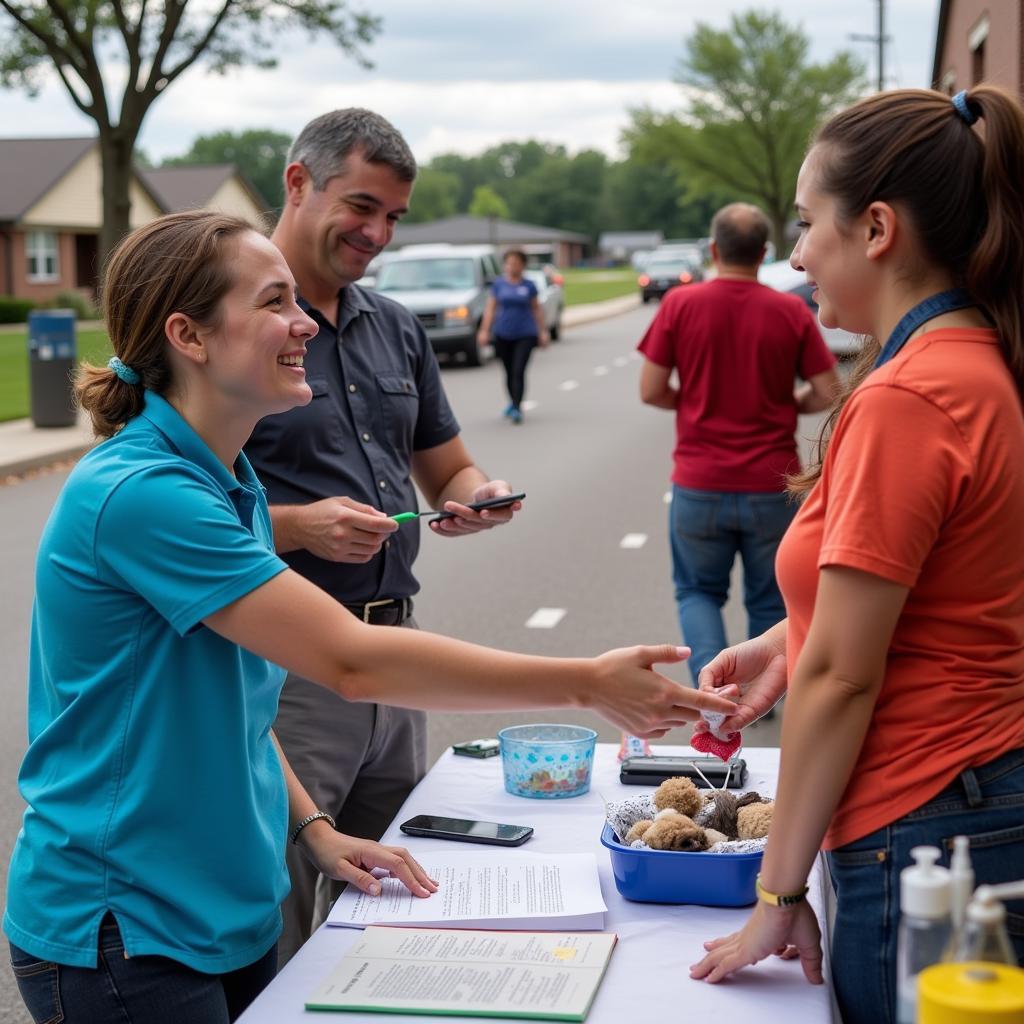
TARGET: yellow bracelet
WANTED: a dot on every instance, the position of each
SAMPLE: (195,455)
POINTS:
(775,899)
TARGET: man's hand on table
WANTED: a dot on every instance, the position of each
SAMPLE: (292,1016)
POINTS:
(351,860)
(788,932)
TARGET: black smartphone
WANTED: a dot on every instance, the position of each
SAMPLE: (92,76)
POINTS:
(477,748)
(477,506)
(654,770)
(465,831)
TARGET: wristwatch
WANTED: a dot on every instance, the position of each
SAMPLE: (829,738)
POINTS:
(775,899)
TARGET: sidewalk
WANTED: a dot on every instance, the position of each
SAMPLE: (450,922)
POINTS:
(24,447)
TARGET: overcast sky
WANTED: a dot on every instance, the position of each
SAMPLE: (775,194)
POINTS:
(455,76)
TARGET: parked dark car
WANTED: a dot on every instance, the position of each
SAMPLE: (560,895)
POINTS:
(662,274)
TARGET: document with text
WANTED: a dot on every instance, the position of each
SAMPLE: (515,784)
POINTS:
(543,976)
(487,890)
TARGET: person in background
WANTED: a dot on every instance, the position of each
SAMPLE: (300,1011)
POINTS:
(513,315)
(736,347)
(903,573)
(379,427)
(146,882)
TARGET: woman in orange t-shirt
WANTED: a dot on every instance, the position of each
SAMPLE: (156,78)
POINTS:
(903,574)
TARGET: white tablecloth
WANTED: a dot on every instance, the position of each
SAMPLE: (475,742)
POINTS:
(648,973)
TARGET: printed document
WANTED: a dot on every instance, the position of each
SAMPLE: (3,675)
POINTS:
(550,975)
(487,890)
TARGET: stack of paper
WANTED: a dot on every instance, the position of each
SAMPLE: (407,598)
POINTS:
(552,975)
(485,889)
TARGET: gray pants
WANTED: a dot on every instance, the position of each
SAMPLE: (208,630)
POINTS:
(359,762)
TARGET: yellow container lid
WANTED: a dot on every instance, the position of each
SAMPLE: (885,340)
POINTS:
(970,993)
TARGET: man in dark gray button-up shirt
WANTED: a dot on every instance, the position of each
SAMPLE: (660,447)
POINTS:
(338,468)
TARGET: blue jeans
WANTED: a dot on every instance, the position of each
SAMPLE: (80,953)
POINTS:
(984,803)
(139,990)
(707,529)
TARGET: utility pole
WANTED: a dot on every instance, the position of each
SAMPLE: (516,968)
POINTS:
(880,39)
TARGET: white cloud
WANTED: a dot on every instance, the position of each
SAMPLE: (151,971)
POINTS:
(462,76)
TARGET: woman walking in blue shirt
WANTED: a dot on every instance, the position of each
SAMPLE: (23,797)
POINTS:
(514,316)
(146,881)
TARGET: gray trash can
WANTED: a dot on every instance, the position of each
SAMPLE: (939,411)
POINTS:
(51,363)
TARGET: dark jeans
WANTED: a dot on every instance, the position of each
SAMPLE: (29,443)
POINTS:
(139,990)
(985,804)
(707,530)
(515,354)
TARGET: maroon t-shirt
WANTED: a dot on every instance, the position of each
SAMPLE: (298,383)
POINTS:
(737,347)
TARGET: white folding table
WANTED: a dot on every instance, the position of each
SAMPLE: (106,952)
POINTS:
(648,976)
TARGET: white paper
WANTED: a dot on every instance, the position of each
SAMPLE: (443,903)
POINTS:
(483,889)
(468,972)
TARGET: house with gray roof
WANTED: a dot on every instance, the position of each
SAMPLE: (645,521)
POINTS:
(545,245)
(51,209)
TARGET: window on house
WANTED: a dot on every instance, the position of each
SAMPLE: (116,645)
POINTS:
(41,250)
(978,63)
(976,44)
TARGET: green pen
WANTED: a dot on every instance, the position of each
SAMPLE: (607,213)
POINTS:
(408,517)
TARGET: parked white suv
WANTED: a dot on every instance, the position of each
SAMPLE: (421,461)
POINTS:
(446,287)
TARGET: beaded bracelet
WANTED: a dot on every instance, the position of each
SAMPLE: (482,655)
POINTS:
(309,819)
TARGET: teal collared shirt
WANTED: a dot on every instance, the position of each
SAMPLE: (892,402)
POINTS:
(154,790)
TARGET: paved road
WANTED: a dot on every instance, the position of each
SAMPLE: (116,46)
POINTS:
(595,465)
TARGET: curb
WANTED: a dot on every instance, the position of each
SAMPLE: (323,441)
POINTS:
(572,316)
(24,447)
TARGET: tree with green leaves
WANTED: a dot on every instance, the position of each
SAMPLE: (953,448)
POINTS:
(487,203)
(260,154)
(755,99)
(436,195)
(91,43)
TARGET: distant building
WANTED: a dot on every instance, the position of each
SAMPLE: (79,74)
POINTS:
(220,187)
(545,245)
(51,209)
(979,41)
(620,245)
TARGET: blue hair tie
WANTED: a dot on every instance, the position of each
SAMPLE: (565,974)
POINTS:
(125,373)
(962,107)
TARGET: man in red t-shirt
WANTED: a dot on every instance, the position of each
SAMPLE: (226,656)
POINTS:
(736,347)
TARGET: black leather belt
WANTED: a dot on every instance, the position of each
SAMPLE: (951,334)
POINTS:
(391,611)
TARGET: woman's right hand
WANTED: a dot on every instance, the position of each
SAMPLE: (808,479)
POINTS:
(753,672)
(483,337)
(631,695)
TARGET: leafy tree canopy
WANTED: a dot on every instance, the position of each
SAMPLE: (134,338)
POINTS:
(115,58)
(754,101)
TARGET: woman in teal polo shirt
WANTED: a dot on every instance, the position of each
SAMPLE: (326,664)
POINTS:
(146,879)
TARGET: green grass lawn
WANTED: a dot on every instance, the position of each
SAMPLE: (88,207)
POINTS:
(93,346)
(596,285)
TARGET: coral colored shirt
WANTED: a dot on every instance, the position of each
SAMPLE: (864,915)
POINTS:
(737,347)
(923,485)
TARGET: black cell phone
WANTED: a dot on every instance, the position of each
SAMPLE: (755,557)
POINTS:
(465,831)
(477,748)
(476,506)
(654,770)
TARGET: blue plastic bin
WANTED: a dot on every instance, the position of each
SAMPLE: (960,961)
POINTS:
(670,876)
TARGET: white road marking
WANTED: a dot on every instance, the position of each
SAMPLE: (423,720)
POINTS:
(529,405)
(600,371)
(568,385)
(545,618)
(633,540)
(620,360)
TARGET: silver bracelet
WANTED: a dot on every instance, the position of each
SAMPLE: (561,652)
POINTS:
(308,820)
